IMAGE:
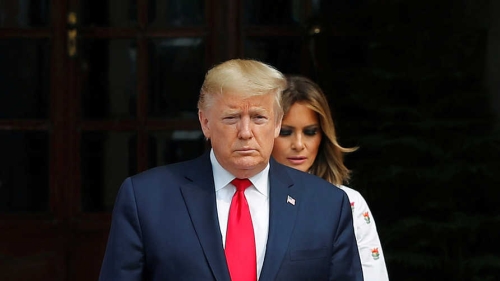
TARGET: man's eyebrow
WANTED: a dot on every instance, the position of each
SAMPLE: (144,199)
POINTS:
(231,111)
(258,109)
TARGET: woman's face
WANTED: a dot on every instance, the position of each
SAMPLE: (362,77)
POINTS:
(298,142)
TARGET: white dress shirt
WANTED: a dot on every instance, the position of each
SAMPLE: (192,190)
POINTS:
(258,200)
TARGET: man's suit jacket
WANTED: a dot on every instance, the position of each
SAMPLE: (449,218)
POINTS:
(165,227)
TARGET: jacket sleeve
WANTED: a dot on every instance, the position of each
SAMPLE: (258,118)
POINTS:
(345,263)
(370,248)
(124,256)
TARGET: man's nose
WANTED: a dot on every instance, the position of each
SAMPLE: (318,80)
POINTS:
(245,129)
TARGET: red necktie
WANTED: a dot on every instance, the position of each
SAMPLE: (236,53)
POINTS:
(240,240)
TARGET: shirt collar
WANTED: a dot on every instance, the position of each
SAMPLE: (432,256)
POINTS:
(222,177)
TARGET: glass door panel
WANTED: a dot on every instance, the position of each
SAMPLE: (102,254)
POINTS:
(168,147)
(24,172)
(282,52)
(108,74)
(24,13)
(176,72)
(176,13)
(107,158)
(260,12)
(108,13)
(25,119)
(25,77)
(278,34)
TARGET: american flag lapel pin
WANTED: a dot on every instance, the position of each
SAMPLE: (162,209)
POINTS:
(290,200)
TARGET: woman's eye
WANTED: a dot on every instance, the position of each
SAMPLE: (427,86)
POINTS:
(310,132)
(284,132)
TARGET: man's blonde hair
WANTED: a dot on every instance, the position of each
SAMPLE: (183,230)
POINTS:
(243,76)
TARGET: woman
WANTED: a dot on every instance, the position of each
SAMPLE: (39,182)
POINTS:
(307,142)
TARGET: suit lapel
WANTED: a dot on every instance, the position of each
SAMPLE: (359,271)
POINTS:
(199,196)
(282,216)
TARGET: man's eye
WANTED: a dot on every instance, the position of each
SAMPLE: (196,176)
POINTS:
(311,132)
(284,132)
(230,119)
(260,119)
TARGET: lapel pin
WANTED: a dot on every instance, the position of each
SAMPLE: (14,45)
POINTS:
(290,200)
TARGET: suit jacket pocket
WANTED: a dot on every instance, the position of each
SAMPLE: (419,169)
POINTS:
(307,254)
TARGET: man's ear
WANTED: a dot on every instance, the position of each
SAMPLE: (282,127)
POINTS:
(204,123)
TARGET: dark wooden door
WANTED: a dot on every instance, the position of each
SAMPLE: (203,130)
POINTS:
(33,141)
(95,91)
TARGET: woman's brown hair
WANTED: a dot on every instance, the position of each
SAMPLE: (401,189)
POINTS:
(329,163)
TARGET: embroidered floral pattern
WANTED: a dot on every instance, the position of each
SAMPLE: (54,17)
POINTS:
(375,254)
(366,215)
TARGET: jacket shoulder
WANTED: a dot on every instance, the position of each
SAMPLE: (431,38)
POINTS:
(312,183)
(167,173)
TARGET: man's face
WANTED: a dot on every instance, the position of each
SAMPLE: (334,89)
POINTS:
(242,131)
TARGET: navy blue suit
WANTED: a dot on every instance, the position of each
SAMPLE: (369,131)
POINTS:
(165,227)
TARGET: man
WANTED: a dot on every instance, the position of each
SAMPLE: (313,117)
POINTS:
(191,221)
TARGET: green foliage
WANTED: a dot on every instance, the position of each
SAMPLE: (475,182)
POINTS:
(412,97)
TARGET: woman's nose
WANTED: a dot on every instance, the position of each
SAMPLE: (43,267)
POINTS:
(297,143)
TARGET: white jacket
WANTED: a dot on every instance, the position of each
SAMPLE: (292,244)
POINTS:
(370,249)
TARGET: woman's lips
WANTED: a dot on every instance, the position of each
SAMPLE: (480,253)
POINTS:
(297,160)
